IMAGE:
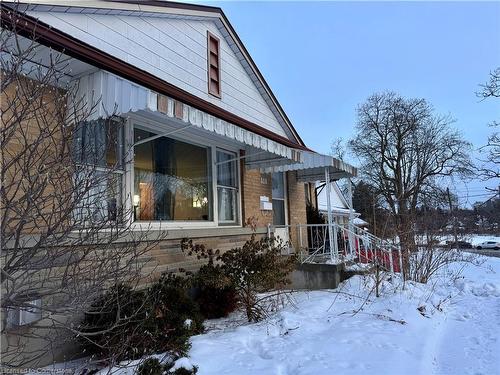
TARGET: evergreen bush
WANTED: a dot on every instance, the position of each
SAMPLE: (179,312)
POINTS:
(111,326)
(257,267)
(127,324)
(151,366)
(183,371)
(175,315)
(215,293)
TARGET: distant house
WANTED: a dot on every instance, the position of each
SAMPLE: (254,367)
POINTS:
(339,204)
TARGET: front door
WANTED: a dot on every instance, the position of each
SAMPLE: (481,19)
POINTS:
(280,217)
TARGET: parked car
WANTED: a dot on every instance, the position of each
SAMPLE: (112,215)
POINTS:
(460,244)
(489,245)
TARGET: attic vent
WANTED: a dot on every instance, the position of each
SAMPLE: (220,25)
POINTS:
(213,50)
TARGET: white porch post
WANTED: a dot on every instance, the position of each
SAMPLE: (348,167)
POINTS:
(352,249)
(333,248)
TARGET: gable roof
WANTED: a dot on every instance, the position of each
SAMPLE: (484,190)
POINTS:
(175,9)
(338,199)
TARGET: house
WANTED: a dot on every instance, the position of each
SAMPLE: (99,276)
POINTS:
(340,207)
(186,92)
(211,144)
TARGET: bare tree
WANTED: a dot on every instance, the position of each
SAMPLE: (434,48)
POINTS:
(66,231)
(490,168)
(437,212)
(405,149)
(491,89)
(338,148)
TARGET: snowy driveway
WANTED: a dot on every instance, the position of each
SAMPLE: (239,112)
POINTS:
(321,335)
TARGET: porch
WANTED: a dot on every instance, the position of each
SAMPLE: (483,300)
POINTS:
(350,245)
(334,242)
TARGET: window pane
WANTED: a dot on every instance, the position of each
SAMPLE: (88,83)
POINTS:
(114,144)
(278,185)
(227,182)
(227,204)
(99,196)
(226,170)
(99,142)
(172,180)
(278,212)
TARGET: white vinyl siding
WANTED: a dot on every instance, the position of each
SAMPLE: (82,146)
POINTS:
(174,50)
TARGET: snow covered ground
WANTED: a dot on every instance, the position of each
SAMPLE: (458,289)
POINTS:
(449,326)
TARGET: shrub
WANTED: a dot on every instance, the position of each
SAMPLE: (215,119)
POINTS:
(183,371)
(150,366)
(256,267)
(128,324)
(110,328)
(201,251)
(175,316)
(215,294)
(314,216)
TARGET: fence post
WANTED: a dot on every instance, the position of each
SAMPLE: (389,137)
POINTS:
(400,260)
(390,261)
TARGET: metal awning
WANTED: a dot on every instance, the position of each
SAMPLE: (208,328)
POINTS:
(109,94)
(117,96)
(253,156)
(312,168)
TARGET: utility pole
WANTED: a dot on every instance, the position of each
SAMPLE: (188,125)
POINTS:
(453,217)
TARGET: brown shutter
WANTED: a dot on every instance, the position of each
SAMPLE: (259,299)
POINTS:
(213,50)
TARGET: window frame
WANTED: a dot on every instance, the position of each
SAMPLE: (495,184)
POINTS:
(284,199)
(209,174)
(217,94)
(159,127)
(118,171)
(236,188)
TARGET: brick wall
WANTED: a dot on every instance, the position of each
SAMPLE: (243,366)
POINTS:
(167,255)
(256,185)
(34,125)
(296,205)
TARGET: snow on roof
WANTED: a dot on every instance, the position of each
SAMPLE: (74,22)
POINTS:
(359,222)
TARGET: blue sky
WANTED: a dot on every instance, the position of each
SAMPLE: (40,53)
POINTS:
(324,58)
